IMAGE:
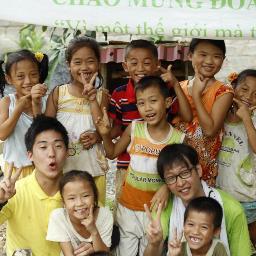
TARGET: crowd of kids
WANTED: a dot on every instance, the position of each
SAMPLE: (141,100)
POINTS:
(178,182)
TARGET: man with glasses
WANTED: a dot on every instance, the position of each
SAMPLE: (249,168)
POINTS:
(178,165)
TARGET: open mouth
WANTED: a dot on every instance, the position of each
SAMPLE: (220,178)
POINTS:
(52,165)
(194,240)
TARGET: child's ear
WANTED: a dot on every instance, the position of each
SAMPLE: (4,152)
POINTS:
(8,79)
(190,56)
(199,170)
(30,155)
(217,232)
(124,64)
(168,102)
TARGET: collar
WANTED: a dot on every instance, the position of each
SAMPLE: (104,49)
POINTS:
(38,191)
(130,91)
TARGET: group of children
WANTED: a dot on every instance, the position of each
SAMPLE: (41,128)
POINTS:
(67,211)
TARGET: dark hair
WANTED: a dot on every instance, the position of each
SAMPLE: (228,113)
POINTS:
(83,41)
(218,43)
(176,154)
(206,205)
(75,175)
(242,75)
(99,253)
(153,81)
(141,43)
(43,123)
(15,57)
(2,78)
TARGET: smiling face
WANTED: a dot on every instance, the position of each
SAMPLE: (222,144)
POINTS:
(207,58)
(83,62)
(23,75)
(199,231)
(246,91)
(78,197)
(186,189)
(152,105)
(139,63)
(48,154)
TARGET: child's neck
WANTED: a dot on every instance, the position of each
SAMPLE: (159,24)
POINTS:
(231,116)
(202,251)
(80,228)
(76,89)
(160,131)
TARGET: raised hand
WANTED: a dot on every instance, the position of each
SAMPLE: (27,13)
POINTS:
(243,110)
(168,76)
(160,197)
(89,222)
(37,92)
(174,246)
(89,88)
(7,184)
(154,229)
(23,102)
(84,248)
(103,124)
(200,82)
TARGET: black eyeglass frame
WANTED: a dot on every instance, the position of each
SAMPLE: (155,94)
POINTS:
(188,174)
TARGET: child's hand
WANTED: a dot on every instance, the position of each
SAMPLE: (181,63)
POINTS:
(89,222)
(168,76)
(103,124)
(88,139)
(160,197)
(89,88)
(174,247)
(200,82)
(243,110)
(23,102)
(154,229)
(37,92)
(7,185)
(84,249)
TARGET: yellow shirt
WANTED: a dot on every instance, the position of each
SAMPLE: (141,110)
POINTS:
(27,214)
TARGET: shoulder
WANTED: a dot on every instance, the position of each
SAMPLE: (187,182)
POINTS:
(119,92)
(222,88)
(58,213)
(219,249)
(103,215)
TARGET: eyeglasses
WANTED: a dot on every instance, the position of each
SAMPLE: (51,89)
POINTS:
(183,175)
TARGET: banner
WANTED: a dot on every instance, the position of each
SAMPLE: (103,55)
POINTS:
(234,19)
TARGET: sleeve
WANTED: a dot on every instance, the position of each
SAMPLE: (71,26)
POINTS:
(57,230)
(223,90)
(115,112)
(236,224)
(220,250)
(7,210)
(105,225)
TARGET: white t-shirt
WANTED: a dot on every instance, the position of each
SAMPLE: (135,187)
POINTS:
(60,228)
(237,163)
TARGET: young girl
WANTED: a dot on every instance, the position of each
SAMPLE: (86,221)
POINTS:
(72,107)
(236,159)
(209,100)
(25,71)
(81,220)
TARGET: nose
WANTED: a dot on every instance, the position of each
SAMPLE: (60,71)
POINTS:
(79,201)
(84,65)
(51,151)
(208,59)
(196,229)
(180,181)
(140,67)
(27,79)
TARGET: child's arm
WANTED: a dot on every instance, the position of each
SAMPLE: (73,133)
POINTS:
(185,111)
(112,150)
(244,113)
(67,248)
(83,249)
(89,223)
(52,103)
(154,233)
(8,123)
(210,123)
(37,92)
(160,197)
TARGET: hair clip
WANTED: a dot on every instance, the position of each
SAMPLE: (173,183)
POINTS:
(39,56)
(232,77)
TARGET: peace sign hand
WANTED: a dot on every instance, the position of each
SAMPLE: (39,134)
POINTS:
(175,247)
(168,76)
(243,111)
(7,185)
(89,88)
(103,123)
(154,229)
(200,82)
(89,222)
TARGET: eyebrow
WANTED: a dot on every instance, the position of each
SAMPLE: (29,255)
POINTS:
(44,141)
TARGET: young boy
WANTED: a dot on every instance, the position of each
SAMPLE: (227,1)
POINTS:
(202,225)
(141,59)
(144,140)
(27,211)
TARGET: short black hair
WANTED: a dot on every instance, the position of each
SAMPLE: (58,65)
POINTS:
(141,44)
(206,205)
(99,253)
(43,123)
(175,154)
(218,43)
(75,175)
(153,81)
(242,75)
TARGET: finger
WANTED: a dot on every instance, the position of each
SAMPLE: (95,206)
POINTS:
(9,172)
(17,174)
(163,70)
(175,233)
(159,211)
(169,67)
(91,211)
(148,213)
(252,108)
(93,79)
(238,102)
(83,79)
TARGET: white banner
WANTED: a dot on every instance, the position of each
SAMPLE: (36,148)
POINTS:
(235,19)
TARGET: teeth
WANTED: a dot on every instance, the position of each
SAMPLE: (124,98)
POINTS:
(194,239)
